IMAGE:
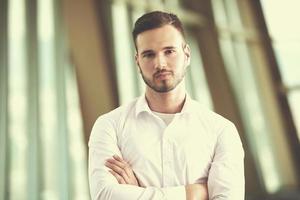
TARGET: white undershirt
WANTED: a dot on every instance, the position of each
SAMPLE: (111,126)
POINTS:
(166,117)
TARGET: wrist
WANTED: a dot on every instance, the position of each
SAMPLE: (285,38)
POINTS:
(196,192)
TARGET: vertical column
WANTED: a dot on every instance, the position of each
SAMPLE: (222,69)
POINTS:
(90,56)
(3,98)
(284,134)
(65,169)
(34,156)
(221,90)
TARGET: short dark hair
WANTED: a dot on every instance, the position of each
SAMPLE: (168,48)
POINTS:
(155,19)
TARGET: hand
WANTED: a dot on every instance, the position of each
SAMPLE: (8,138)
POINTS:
(196,191)
(121,170)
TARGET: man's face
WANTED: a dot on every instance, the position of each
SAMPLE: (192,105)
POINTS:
(162,57)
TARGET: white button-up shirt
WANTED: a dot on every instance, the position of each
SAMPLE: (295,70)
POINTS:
(197,146)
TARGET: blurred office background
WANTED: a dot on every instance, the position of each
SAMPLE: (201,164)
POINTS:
(64,63)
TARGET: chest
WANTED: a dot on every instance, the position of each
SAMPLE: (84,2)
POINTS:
(185,147)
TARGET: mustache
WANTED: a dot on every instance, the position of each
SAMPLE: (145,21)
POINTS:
(162,71)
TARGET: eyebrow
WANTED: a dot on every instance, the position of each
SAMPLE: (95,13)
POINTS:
(170,47)
(151,51)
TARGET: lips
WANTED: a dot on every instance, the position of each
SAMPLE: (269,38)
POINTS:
(163,74)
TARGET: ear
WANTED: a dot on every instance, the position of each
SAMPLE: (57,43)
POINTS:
(187,54)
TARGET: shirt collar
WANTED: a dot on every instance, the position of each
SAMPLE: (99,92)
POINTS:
(188,105)
(142,105)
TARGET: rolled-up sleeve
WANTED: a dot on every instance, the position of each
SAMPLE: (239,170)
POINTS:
(103,185)
(226,176)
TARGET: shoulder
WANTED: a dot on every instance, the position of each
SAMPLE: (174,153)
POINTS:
(225,131)
(107,126)
(209,116)
(115,116)
(212,121)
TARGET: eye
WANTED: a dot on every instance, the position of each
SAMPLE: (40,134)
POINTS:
(169,51)
(148,55)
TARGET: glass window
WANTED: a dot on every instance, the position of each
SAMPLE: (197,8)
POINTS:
(242,74)
(195,79)
(47,161)
(17,101)
(3,98)
(124,54)
(48,119)
(285,33)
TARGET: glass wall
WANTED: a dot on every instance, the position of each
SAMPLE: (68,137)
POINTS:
(42,149)
(45,154)
(285,36)
(247,71)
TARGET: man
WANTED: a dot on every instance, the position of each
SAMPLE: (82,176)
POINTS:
(164,145)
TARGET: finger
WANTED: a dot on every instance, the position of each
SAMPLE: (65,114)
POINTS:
(115,167)
(116,162)
(120,171)
(123,164)
(118,158)
(118,177)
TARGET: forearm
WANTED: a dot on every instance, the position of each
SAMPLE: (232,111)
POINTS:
(196,191)
(123,173)
(123,191)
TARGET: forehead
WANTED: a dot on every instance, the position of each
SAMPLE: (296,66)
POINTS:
(159,38)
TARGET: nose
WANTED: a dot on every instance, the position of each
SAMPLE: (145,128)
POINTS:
(160,62)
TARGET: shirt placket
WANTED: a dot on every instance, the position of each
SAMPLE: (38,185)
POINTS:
(168,157)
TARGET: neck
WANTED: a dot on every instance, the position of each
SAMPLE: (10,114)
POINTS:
(167,102)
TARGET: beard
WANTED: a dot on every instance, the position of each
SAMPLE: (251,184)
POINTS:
(165,85)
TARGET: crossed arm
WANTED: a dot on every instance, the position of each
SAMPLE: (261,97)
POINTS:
(225,179)
(122,171)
